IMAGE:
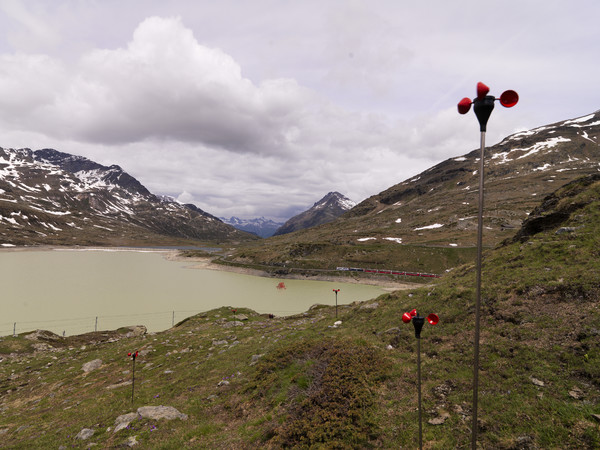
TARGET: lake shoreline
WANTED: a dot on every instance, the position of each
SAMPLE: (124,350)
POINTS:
(75,290)
(208,264)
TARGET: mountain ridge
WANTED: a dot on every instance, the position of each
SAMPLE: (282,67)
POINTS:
(330,207)
(260,226)
(49,197)
(428,223)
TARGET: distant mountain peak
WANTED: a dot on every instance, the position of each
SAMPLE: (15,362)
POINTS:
(260,226)
(335,199)
(91,171)
(329,208)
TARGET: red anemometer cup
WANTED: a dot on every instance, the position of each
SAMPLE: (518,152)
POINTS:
(433,319)
(509,98)
(407,316)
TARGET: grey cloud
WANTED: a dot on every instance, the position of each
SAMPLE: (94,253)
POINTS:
(32,28)
(163,85)
(259,108)
(28,84)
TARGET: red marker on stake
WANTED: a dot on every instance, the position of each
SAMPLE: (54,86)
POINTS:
(418,322)
(133,356)
(336,293)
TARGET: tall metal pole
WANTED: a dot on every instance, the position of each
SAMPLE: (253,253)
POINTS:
(419,386)
(483,106)
(478,297)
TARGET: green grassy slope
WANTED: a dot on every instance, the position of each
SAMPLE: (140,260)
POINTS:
(429,223)
(303,382)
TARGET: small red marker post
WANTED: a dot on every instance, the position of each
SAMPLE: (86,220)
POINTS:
(133,356)
(418,323)
(336,293)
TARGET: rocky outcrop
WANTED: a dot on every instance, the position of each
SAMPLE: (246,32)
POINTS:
(148,412)
(44,335)
(91,365)
(556,209)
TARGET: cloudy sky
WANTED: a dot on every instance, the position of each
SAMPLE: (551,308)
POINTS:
(260,107)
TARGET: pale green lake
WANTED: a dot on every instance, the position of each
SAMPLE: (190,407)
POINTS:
(66,290)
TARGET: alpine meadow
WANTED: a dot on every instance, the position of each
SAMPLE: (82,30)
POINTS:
(331,377)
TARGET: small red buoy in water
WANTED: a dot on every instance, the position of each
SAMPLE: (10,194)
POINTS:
(281,285)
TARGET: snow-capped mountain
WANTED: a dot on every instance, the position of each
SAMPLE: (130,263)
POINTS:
(325,210)
(261,227)
(50,197)
(439,205)
(409,224)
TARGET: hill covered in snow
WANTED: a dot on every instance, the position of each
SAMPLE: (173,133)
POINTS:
(329,208)
(53,198)
(429,222)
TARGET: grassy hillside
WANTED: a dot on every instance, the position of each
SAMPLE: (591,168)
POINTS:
(260,382)
(429,223)
(287,254)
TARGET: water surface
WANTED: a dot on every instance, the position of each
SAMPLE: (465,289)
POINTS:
(65,291)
